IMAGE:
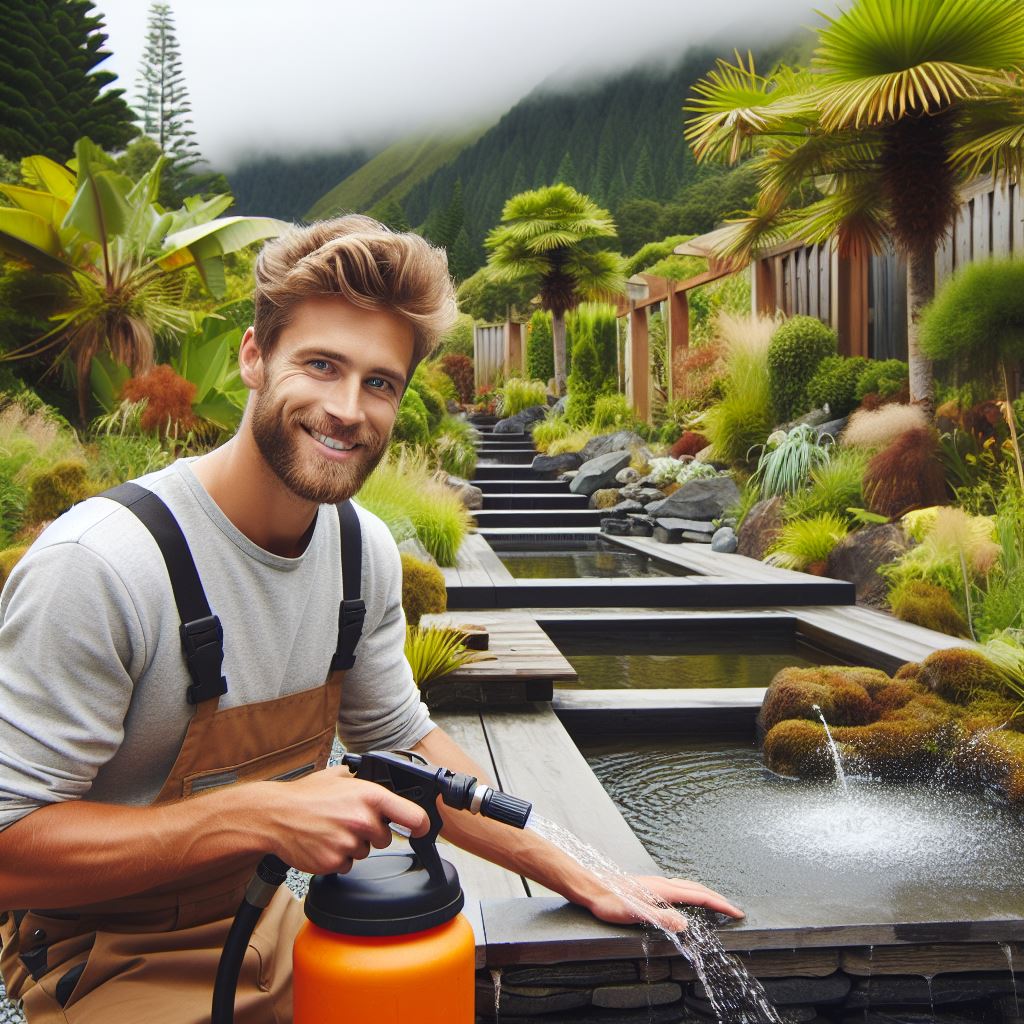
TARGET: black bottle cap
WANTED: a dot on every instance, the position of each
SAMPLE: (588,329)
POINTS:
(385,894)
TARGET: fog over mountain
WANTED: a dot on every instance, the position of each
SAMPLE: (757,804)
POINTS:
(269,77)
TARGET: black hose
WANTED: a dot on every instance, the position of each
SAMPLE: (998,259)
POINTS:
(269,876)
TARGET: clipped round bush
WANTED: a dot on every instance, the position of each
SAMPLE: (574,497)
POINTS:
(928,605)
(959,674)
(882,377)
(434,405)
(540,355)
(835,384)
(583,382)
(411,424)
(55,489)
(796,349)
(423,589)
(906,475)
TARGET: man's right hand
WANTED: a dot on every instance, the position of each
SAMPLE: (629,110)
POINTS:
(326,821)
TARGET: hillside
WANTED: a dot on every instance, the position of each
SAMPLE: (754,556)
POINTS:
(392,173)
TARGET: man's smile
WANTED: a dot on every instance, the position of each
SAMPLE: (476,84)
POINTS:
(330,442)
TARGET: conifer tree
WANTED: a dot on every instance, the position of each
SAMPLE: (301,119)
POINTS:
(50,91)
(566,172)
(641,184)
(163,103)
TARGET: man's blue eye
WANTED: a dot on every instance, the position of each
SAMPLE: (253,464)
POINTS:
(378,382)
(319,364)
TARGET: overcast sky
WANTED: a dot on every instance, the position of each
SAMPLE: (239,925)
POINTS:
(291,76)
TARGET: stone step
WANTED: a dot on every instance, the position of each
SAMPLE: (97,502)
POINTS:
(489,438)
(498,471)
(510,456)
(529,518)
(523,486)
(534,501)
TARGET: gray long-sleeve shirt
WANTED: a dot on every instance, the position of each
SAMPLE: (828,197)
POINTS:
(92,678)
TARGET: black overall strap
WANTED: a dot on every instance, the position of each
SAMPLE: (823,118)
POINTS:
(202,636)
(352,610)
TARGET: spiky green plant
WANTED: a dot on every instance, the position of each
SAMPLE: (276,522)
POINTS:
(517,394)
(404,492)
(786,464)
(805,542)
(907,101)
(435,651)
(549,430)
(555,240)
(835,486)
(455,447)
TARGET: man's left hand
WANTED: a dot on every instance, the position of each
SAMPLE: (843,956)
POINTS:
(643,895)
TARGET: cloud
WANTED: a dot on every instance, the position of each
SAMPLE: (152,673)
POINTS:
(291,76)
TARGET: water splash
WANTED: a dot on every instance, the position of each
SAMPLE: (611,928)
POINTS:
(735,996)
(840,774)
(867,986)
(496,979)
(930,978)
(1008,953)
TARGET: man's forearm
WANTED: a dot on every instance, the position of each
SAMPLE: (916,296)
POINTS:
(76,853)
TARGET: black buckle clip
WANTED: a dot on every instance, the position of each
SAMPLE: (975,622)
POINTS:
(350,628)
(202,640)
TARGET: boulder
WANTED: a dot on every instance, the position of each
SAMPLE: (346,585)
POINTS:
(522,422)
(615,526)
(641,526)
(470,495)
(600,472)
(604,497)
(627,476)
(832,429)
(724,540)
(649,494)
(858,555)
(558,409)
(551,465)
(625,507)
(760,528)
(620,441)
(698,499)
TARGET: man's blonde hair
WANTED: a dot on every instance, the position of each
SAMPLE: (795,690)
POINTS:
(362,261)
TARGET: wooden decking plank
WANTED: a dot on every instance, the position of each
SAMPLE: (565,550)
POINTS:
(481,880)
(536,759)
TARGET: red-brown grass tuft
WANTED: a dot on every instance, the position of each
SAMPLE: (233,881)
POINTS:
(168,399)
(906,475)
(689,444)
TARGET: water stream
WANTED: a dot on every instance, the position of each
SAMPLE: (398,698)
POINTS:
(840,774)
(1008,952)
(735,996)
(496,978)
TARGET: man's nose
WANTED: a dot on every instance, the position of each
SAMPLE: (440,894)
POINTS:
(344,402)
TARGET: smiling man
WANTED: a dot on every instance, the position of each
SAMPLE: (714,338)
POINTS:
(177,656)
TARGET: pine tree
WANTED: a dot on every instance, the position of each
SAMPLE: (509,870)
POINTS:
(390,212)
(641,185)
(566,172)
(50,92)
(163,104)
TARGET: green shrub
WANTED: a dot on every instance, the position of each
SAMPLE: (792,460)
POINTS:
(804,543)
(404,491)
(459,339)
(550,429)
(786,461)
(884,377)
(517,394)
(423,589)
(612,412)
(54,490)
(123,457)
(412,424)
(928,605)
(796,349)
(596,322)
(436,652)
(540,355)
(434,405)
(455,447)
(583,384)
(835,384)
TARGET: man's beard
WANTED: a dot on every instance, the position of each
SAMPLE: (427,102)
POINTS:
(330,482)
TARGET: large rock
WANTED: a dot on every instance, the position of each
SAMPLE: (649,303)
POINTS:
(600,472)
(552,465)
(698,499)
(620,441)
(857,557)
(522,422)
(627,476)
(760,528)
(469,494)
(624,507)
(724,540)
(615,526)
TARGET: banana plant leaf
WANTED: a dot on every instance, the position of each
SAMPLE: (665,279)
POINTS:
(207,362)
(218,238)
(100,209)
(51,208)
(106,378)
(28,237)
(220,410)
(44,172)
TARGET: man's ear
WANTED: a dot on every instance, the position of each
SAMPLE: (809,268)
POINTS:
(250,361)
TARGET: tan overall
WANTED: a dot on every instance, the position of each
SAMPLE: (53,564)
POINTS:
(151,958)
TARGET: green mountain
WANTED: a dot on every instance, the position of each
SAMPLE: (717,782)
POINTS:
(391,174)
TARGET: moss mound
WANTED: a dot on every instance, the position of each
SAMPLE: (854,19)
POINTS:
(9,558)
(926,604)
(54,490)
(951,711)
(423,589)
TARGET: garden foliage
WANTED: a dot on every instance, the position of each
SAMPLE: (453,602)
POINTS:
(906,474)
(423,589)
(834,384)
(797,348)
(540,360)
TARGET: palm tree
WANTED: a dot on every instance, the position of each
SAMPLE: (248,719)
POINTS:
(550,239)
(117,254)
(906,100)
